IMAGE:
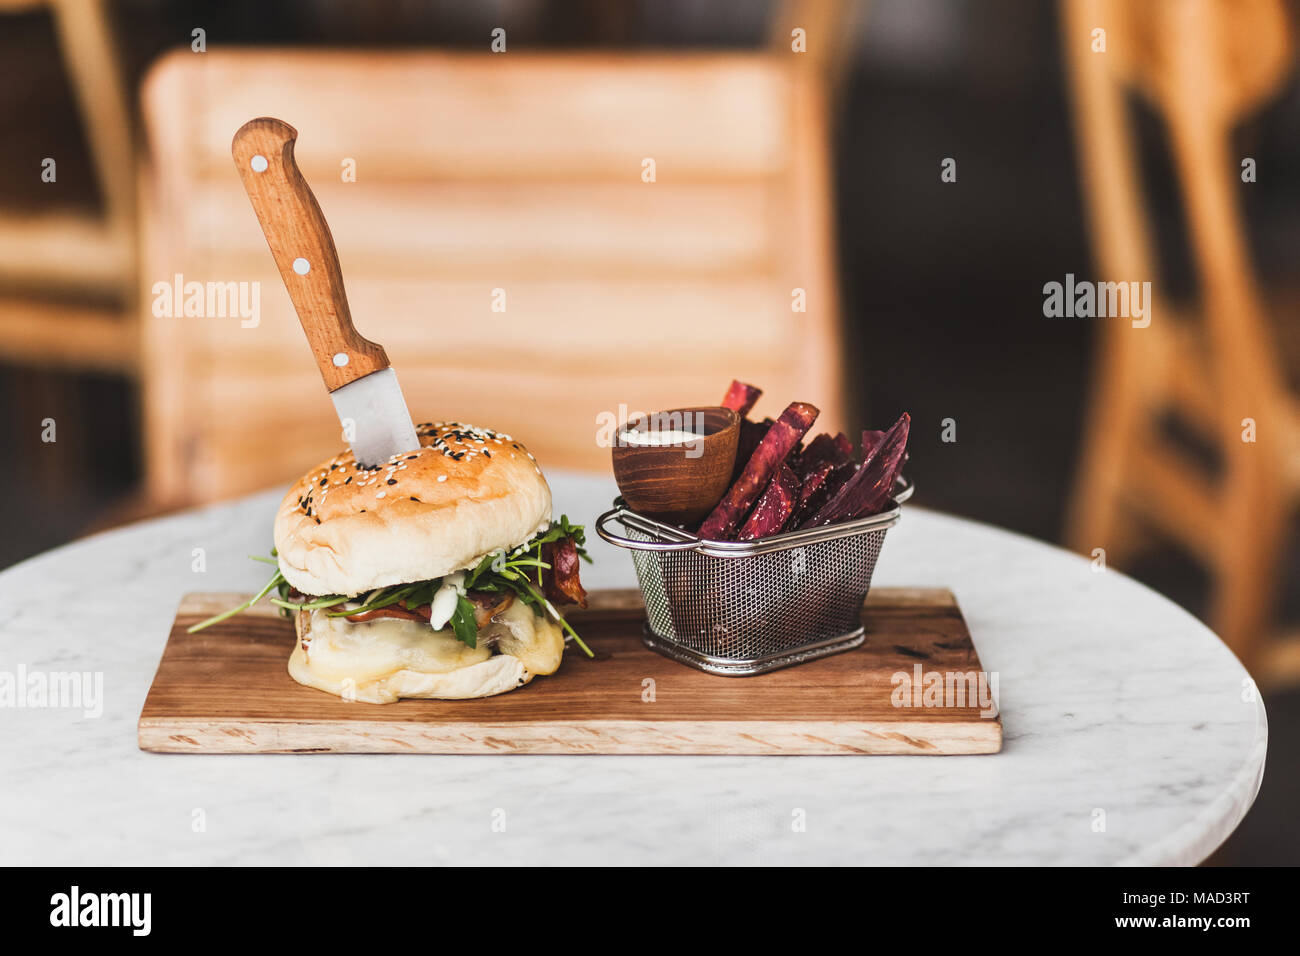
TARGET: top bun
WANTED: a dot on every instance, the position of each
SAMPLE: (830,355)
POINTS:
(345,529)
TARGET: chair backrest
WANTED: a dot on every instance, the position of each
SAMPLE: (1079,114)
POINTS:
(1202,65)
(500,240)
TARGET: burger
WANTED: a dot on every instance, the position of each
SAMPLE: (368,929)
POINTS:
(435,574)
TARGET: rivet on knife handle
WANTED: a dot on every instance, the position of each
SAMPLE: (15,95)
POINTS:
(303,248)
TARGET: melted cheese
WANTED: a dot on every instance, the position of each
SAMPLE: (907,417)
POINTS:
(537,641)
(364,652)
(382,660)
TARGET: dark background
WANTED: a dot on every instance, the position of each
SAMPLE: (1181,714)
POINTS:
(942,283)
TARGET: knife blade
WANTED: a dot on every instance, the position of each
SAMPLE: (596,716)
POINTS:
(356,371)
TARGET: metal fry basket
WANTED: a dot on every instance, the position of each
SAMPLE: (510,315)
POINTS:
(739,608)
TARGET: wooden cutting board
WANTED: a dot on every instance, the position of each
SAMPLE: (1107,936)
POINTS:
(226,690)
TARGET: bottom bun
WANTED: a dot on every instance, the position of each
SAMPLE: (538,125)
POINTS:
(382,661)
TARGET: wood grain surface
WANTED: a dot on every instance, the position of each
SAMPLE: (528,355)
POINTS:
(227,690)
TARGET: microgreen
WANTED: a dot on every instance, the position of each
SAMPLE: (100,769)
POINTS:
(239,609)
(499,572)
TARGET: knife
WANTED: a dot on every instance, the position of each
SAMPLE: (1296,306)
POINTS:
(356,371)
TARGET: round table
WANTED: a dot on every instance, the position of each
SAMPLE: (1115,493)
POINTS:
(1132,735)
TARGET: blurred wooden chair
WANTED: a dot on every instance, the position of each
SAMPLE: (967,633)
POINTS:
(484,180)
(76,270)
(67,275)
(1202,65)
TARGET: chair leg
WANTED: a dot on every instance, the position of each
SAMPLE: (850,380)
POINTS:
(1095,518)
(1248,572)
(1279,662)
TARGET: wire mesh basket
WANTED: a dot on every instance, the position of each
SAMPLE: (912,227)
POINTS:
(747,607)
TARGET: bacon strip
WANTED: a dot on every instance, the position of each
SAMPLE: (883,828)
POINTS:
(561,583)
(486,605)
(391,611)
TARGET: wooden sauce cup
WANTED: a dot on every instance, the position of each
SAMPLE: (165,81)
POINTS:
(680,481)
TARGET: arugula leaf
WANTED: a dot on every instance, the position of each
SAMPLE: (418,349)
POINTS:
(463,623)
(331,601)
(497,573)
(217,618)
(381,598)
(479,570)
(422,594)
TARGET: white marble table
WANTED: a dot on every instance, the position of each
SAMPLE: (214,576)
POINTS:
(1114,702)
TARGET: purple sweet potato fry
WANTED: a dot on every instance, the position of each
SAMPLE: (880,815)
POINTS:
(741,397)
(870,487)
(751,433)
(810,485)
(824,449)
(723,522)
(822,494)
(774,506)
(870,442)
(815,479)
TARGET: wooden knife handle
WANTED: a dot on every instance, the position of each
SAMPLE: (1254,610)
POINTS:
(304,251)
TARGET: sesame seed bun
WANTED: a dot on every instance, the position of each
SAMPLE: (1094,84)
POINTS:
(467,492)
